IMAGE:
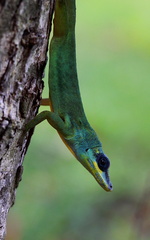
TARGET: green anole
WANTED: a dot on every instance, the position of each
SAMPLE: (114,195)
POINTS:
(67,114)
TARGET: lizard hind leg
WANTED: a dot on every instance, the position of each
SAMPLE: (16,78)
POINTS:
(45,102)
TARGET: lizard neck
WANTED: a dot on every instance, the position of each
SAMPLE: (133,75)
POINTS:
(83,138)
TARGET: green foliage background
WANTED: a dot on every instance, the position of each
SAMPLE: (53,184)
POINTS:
(57,198)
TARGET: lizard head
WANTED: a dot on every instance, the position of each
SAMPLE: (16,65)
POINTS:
(97,164)
(94,160)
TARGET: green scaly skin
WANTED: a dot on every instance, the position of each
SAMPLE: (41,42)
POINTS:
(67,114)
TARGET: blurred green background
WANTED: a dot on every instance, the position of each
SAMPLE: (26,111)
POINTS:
(57,198)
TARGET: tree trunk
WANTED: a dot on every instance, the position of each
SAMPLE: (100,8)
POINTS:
(24,33)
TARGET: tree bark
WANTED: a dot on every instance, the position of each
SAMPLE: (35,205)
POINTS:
(24,33)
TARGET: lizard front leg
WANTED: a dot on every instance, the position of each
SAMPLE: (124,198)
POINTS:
(54,120)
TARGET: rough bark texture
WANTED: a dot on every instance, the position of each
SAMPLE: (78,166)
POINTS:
(24,33)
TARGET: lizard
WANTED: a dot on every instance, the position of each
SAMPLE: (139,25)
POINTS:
(67,114)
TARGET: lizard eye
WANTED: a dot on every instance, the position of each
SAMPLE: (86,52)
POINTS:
(103,162)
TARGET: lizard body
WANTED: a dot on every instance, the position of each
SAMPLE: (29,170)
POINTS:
(67,114)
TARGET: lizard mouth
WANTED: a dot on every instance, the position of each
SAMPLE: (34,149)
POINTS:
(104,181)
